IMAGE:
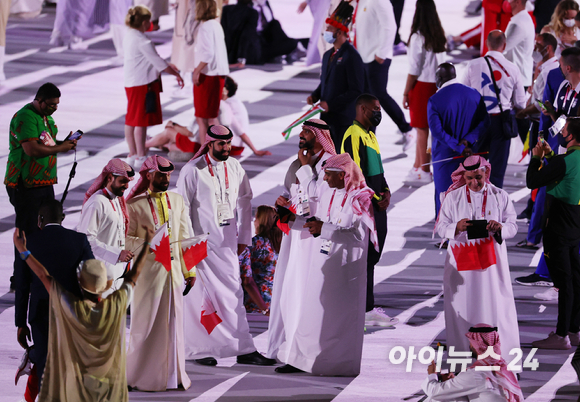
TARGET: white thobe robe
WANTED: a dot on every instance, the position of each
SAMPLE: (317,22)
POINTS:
(329,335)
(471,385)
(103,222)
(478,296)
(219,273)
(156,354)
(289,284)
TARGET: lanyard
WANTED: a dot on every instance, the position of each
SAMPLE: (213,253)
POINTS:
(484,200)
(210,167)
(571,100)
(314,165)
(500,66)
(155,219)
(332,200)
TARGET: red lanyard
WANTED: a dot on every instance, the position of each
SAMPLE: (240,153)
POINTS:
(155,220)
(500,66)
(484,199)
(319,158)
(571,100)
(209,166)
(332,200)
(110,199)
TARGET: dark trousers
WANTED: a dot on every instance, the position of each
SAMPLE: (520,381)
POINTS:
(275,42)
(535,227)
(377,80)
(494,142)
(338,127)
(398,6)
(39,328)
(374,256)
(563,263)
(27,202)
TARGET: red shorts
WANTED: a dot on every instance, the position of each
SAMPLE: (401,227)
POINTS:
(185,144)
(207,96)
(136,114)
(418,99)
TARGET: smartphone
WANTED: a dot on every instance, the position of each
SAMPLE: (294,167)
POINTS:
(75,136)
(557,126)
(541,137)
(542,106)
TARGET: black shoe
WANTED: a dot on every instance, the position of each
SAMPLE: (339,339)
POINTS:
(442,244)
(287,369)
(524,216)
(256,359)
(524,244)
(534,280)
(207,361)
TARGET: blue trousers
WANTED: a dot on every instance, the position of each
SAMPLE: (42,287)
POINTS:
(442,178)
(494,142)
(535,228)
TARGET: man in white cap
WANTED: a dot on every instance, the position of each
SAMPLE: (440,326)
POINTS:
(217,193)
(156,354)
(86,343)
(328,339)
(302,184)
(104,218)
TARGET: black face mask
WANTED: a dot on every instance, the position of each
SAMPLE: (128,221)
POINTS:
(563,142)
(375,118)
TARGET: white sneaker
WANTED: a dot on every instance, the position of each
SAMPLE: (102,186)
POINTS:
(549,295)
(77,43)
(377,318)
(410,139)
(139,161)
(417,177)
(130,160)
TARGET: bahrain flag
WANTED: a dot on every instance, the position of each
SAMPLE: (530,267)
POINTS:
(194,250)
(209,317)
(474,255)
(160,246)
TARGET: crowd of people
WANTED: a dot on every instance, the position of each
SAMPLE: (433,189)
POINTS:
(310,265)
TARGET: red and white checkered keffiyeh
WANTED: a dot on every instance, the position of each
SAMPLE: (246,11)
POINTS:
(356,186)
(504,378)
(470,161)
(116,167)
(214,133)
(322,136)
(154,163)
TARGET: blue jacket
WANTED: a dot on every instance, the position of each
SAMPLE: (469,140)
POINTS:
(456,112)
(61,251)
(555,78)
(341,82)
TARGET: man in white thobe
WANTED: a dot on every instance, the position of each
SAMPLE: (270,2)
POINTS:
(476,279)
(303,183)
(156,354)
(328,338)
(478,383)
(217,193)
(105,221)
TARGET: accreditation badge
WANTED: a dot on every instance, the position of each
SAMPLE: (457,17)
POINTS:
(224,214)
(326,246)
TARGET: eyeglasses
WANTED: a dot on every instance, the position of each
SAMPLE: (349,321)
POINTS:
(50,105)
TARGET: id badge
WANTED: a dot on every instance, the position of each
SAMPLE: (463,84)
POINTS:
(303,202)
(223,214)
(325,248)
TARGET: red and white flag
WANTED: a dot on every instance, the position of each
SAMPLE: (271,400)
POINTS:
(161,247)
(194,250)
(209,317)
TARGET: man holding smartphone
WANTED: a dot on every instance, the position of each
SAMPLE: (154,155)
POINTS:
(31,168)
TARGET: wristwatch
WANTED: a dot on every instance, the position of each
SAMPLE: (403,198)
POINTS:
(24,255)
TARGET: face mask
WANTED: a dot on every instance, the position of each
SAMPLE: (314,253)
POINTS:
(569,23)
(563,141)
(329,37)
(537,56)
(376,117)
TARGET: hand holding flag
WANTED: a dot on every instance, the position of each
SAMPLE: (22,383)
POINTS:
(194,250)
(313,111)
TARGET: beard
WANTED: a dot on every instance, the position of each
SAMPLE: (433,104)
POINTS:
(160,187)
(118,191)
(303,144)
(221,155)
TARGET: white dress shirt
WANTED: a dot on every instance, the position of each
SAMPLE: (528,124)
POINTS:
(422,62)
(142,63)
(508,78)
(375,29)
(542,79)
(210,48)
(521,34)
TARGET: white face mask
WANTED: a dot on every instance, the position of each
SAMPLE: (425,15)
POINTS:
(569,23)
(537,56)
(329,37)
